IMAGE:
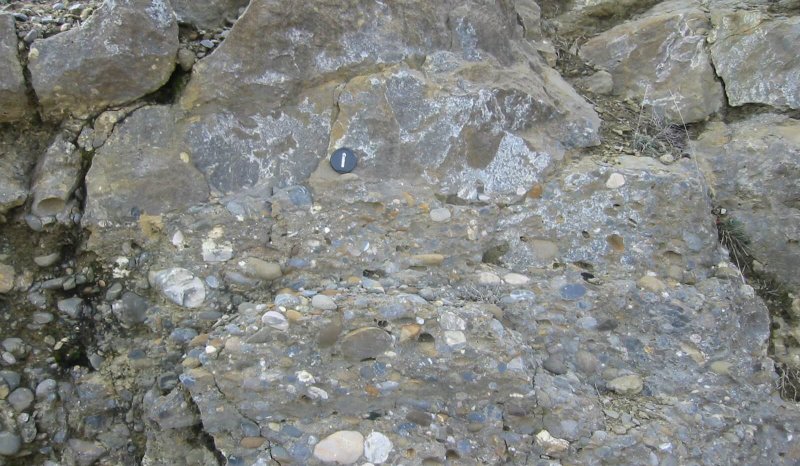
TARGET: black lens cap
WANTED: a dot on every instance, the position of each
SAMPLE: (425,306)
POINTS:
(343,160)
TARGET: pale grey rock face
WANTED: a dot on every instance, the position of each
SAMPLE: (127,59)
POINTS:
(124,51)
(14,103)
(757,57)
(205,14)
(661,61)
(753,168)
(471,126)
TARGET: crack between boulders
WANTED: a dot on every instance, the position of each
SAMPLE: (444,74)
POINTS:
(30,92)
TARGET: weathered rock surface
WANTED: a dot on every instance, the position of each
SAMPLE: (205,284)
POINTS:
(482,289)
(753,168)
(467,127)
(14,103)
(205,14)
(660,61)
(756,57)
(141,170)
(125,50)
(581,16)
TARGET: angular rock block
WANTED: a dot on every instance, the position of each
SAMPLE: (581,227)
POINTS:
(753,168)
(14,103)
(141,170)
(661,61)
(757,58)
(124,51)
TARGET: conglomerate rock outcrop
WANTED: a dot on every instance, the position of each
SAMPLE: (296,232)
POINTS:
(517,260)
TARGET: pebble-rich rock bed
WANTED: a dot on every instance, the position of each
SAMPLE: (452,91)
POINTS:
(570,237)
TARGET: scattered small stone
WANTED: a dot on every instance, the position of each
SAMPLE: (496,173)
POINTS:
(554,447)
(114,291)
(626,385)
(179,286)
(216,252)
(601,83)
(47,260)
(409,331)
(377,448)
(342,447)
(442,214)
(132,309)
(615,180)
(73,307)
(31,36)
(209,44)
(455,340)
(326,303)
(275,320)
(186,59)
(6,278)
(667,159)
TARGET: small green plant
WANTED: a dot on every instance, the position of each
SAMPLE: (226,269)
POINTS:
(731,234)
(769,287)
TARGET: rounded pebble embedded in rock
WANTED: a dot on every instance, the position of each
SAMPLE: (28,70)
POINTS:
(516,279)
(488,278)
(626,385)
(257,268)
(45,389)
(343,447)
(10,443)
(441,214)
(377,448)
(47,260)
(320,301)
(21,399)
(366,342)
(429,260)
(455,340)
(555,363)
(650,283)
(6,278)
(275,320)
(616,180)
(572,292)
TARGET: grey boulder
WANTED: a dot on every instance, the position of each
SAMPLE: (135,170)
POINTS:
(14,103)
(124,51)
